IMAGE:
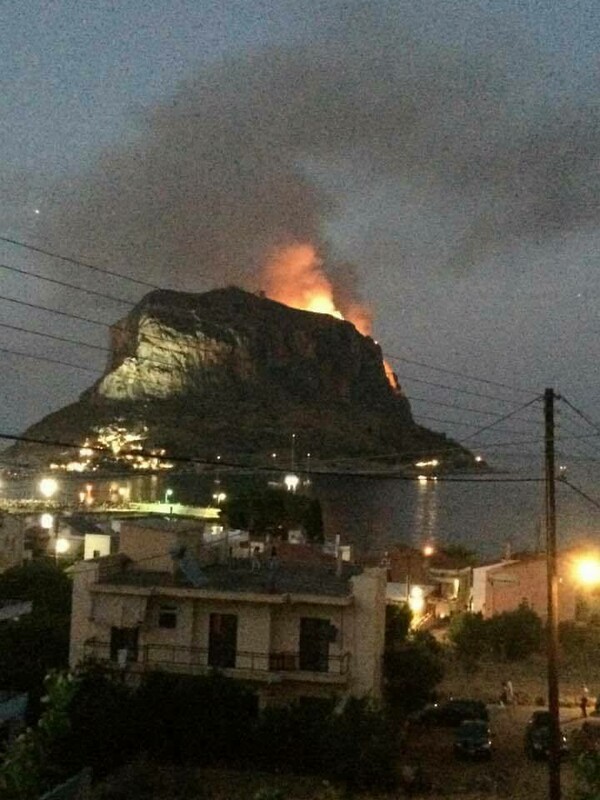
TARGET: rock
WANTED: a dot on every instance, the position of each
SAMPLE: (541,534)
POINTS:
(235,373)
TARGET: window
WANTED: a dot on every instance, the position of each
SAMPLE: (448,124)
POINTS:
(222,640)
(123,644)
(167,617)
(315,636)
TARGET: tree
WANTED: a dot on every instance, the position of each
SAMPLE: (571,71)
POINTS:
(412,670)
(515,635)
(38,642)
(275,511)
(30,765)
(469,634)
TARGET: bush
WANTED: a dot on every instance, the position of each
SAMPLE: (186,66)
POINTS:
(469,634)
(515,635)
(411,672)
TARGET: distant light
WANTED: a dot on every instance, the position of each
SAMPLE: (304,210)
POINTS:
(588,571)
(422,478)
(428,550)
(273,455)
(416,601)
(478,459)
(61,546)
(36,211)
(47,522)
(433,463)
(48,486)
(168,495)
(291,482)
(219,497)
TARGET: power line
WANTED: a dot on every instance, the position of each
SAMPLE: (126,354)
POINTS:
(465,408)
(67,314)
(580,492)
(271,468)
(457,389)
(53,336)
(78,263)
(581,414)
(502,418)
(66,284)
(49,360)
(458,374)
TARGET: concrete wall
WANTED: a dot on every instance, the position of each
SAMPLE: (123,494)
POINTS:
(369,632)
(84,575)
(96,545)
(12,539)
(526,581)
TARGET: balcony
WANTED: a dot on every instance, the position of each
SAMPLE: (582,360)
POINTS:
(261,666)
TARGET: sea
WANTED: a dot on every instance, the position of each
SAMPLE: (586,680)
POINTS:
(491,514)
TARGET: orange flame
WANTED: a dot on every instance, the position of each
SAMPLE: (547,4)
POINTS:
(294,275)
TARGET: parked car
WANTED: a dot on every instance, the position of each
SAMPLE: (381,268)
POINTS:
(453,712)
(473,739)
(587,738)
(537,736)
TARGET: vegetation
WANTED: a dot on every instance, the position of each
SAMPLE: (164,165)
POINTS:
(36,643)
(93,719)
(32,763)
(510,636)
(275,511)
(413,665)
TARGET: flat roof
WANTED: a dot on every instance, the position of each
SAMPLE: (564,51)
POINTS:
(238,576)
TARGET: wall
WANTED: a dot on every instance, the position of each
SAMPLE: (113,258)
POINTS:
(84,575)
(11,541)
(369,632)
(526,581)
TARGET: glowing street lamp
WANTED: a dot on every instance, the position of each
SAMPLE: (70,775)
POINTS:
(291,482)
(47,522)
(61,546)
(219,497)
(48,487)
(428,550)
(168,495)
(587,570)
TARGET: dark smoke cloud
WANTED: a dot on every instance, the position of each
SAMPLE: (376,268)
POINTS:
(215,177)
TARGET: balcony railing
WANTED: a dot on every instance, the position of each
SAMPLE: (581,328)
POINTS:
(197,660)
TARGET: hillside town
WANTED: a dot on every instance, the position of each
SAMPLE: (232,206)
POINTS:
(296,621)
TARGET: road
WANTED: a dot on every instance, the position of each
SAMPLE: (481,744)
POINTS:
(509,774)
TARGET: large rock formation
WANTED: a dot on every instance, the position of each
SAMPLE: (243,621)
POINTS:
(233,373)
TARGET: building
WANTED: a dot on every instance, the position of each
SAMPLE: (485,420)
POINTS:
(506,585)
(289,630)
(12,541)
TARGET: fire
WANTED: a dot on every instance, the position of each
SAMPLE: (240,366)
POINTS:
(294,275)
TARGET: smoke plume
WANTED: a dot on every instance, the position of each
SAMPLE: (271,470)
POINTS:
(263,150)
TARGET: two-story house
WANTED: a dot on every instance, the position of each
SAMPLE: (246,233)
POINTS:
(289,630)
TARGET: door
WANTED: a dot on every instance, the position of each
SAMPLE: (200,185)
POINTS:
(124,644)
(315,635)
(222,640)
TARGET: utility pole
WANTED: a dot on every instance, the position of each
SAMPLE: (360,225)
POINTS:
(554,790)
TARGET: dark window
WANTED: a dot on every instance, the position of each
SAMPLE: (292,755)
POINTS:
(315,636)
(167,617)
(222,640)
(124,644)
(96,554)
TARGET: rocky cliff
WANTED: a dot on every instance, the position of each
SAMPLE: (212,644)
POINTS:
(234,373)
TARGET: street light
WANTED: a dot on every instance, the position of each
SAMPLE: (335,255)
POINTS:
(168,494)
(48,487)
(587,570)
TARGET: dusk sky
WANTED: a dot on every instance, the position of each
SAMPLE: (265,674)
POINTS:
(441,156)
